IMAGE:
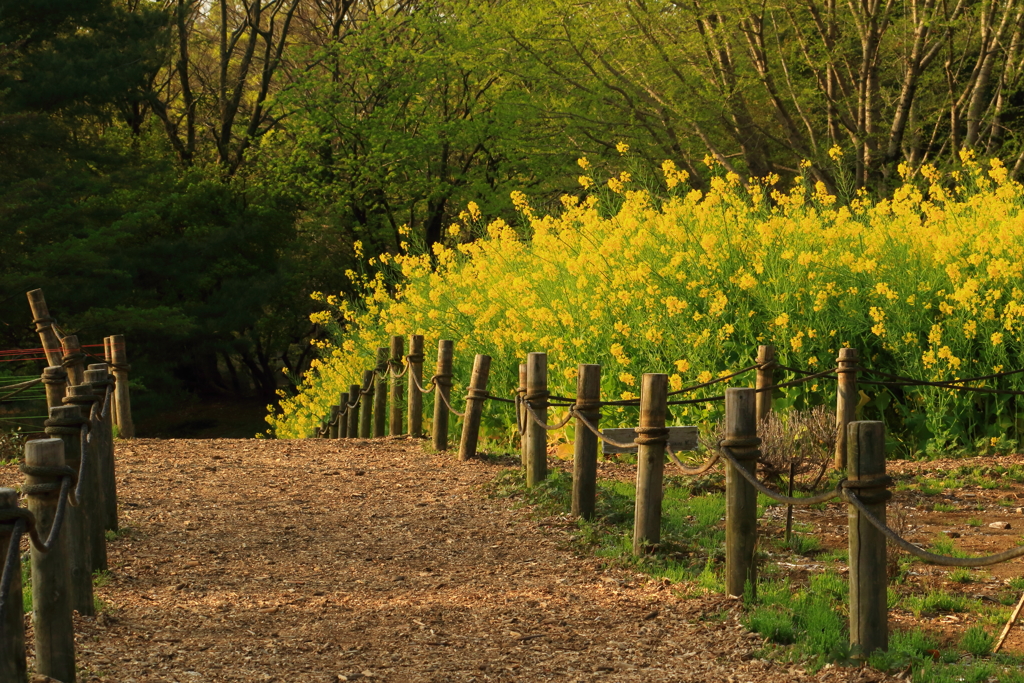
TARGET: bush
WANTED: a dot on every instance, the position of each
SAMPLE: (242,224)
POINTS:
(689,283)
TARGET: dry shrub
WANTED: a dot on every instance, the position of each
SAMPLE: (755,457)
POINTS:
(895,519)
(12,443)
(804,437)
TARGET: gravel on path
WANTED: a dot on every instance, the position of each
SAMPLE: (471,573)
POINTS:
(325,561)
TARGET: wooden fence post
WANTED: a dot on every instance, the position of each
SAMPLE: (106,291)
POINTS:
(380,393)
(765,379)
(869,615)
(99,379)
(395,365)
(847,398)
(74,359)
(13,666)
(650,461)
(536,435)
(740,496)
(366,405)
(521,393)
(415,359)
(442,392)
(352,406)
(343,416)
(51,598)
(584,463)
(55,382)
(333,432)
(475,398)
(65,423)
(125,424)
(44,326)
(108,358)
(83,397)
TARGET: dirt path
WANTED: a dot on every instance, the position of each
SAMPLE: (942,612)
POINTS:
(298,561)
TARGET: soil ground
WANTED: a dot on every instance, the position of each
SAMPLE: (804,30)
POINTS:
(315,560)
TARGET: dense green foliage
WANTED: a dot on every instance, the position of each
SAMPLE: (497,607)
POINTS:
(187,173)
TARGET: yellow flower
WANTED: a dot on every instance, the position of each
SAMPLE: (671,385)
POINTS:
(997,338)
(704,377)
(675,305)
(782,320)
(585,181)
(747,281)
(675,382)
(627,379)
(683,365)
(622,147)
(584,163)
(836,152)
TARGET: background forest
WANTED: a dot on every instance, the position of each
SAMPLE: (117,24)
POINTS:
(187,173)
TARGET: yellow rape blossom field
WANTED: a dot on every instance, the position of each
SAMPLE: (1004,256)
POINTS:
(925,283)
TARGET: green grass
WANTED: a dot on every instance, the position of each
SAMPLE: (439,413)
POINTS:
(975,522)
(943,507)
(803,544)
(977,641)
(26,584)
(963,575)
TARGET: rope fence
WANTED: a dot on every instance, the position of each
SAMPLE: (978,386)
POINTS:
(70,491)
(859,452)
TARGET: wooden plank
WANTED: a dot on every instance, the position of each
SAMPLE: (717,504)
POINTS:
(679,439)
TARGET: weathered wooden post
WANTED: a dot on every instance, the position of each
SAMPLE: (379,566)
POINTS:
(740,496)
(442,393)
(765,379)
(55,382)
(74,359)
(475,398)
(536,435)
(651,438)
(394,365)
(343,416)
(44,326)
(83,397)
(380,393)
(415,359)
(847,398)
(122,398)
(108,358)
(51,597)
(98,378)
(584,464)
(366,405)
(352,406)
(12,645)
(521,393)
(869,615)
(333,432)
(65,423)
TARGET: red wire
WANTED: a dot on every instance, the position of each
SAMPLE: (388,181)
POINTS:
(13,352)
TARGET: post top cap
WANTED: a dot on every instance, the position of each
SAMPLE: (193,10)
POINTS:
(65,411)
(44,452)
(8,498)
